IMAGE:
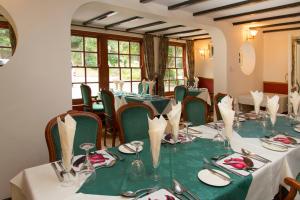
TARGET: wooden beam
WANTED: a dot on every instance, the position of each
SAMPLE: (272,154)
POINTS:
(207,38)
(164,29)
(291,5)
(184,4)
(146,25)
(145,1)
(274,25)
(283,29)
(182,32)
(99,17)
(267,18)
(196,35)
(229,6)
(122,21)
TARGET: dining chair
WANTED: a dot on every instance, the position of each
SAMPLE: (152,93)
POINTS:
(218,97)
(133,121)
(140,88)
(88,130)
(111,124)
(294,187)
(195,110)
(90,104)
(180,93)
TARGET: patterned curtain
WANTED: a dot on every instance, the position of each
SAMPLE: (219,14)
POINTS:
(13,39)
(163,58)
(148,41)
(191,60)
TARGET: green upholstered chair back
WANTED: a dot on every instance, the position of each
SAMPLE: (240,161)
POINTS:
(86,95)
(108,101)
(195,110)
(88,129)
(140,88)
(217,99)
(133,121)
(180,93)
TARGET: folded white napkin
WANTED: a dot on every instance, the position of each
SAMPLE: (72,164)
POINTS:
(272,106)
(156,131)
(185,81)
(121,84)
(174,119)
(144,84)
(66,134)
(196,79)
(151,84)
(228,116)
(257,98)
(116,84)
(295,100)
(227,100)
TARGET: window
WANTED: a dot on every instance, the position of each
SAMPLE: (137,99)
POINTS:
(124,63)
(85,67)
(174,74)
(5,43)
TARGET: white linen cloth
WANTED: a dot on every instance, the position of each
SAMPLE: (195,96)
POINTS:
(151,84)
(227,101)
(272,107)
(196,79)
(257,98)
(174,118)
(228,116)
(156,131)
(121,84)
(204,95)
(119,102)
(66,135)
(295,100)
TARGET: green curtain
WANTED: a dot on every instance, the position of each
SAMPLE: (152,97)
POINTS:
(148,41)
(163,57)
(13,39)
(191,60)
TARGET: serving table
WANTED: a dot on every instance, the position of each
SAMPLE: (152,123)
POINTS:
(180,161)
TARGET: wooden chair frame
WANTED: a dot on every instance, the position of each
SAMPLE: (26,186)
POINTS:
(192,98)
(89,107)
(73,113)
(218,114)
(294,188)
(124,108)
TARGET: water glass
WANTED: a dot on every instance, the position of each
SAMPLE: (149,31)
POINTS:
(87,168)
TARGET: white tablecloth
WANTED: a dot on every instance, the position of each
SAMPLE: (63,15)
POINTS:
(41,182)
(283,101)
(204,95)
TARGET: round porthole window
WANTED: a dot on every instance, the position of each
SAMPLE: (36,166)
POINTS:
(8,40)
(247,58)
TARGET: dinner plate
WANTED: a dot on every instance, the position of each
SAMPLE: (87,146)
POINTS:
(123,149)
(211,179)
(273,147)
(297,129)
(241,119)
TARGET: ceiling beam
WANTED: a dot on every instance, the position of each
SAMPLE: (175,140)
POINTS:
(206,38)
(99,17)
(122,21)
(182,32)
(184,4)
(196,35)
(274,25)
(145,1)
(291,5)
(229,6)
(146,25)
(267,18)
(283,29)
(164,29)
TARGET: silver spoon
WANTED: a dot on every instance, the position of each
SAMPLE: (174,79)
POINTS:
(179,189)
(134,194)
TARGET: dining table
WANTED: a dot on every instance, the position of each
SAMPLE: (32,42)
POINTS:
(181,161)
(201,93)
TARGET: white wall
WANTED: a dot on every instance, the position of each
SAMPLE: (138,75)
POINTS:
(276,57)
(203,64)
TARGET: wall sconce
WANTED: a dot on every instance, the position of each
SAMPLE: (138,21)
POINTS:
(202,52)
(251,34)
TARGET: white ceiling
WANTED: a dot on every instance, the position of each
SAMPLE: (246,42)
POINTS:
(90,11)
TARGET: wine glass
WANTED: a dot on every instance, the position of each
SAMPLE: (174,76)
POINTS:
(87,168)
(137,165)
(219,139)
(187,124)
(137,145)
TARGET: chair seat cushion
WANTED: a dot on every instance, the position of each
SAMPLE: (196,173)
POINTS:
(98,107)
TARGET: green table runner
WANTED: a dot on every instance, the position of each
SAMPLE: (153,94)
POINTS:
(255,129)
(159,103)
(181,161)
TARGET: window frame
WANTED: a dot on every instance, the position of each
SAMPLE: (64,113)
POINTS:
(176,44)
(5,25)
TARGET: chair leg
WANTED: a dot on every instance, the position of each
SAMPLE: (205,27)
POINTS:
(105,133)
(114,137)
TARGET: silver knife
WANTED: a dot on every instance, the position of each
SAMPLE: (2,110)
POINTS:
(214,172)
(274,143)
(57,172)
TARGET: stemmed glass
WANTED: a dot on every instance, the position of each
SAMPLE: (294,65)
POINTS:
(137,165)
(237,113)
(187,124)
(87,168)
